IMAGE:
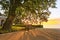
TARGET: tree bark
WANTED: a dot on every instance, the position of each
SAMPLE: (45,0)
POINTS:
(8,23)
(13,5)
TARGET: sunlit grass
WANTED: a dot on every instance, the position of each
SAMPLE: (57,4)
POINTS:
(14,28)
(17,28)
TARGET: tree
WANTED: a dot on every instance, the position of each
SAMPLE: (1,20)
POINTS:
(27,6)
(11,14)
(40,6)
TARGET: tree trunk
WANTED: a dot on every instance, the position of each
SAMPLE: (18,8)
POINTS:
(8,23)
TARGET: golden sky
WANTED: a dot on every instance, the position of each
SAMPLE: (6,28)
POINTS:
(52,23)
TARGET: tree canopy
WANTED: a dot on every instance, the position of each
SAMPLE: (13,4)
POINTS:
(27,9)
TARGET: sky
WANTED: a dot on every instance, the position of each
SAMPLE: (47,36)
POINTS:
(54,21)
(1,11)
(55,12)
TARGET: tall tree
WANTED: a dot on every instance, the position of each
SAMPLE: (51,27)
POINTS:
(11,15)
(28,6)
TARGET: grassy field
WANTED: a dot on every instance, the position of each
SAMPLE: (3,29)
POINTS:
(20,27)
(14,28)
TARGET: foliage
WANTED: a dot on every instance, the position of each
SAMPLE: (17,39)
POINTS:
(35,8)
(25,9)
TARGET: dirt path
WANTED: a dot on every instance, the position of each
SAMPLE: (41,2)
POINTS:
(38,34)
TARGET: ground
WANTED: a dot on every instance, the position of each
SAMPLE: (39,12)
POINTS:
(34,34)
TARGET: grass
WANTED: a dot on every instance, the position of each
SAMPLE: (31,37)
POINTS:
(14,28)
(19,27)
